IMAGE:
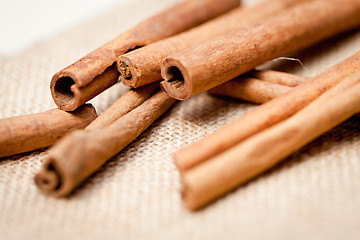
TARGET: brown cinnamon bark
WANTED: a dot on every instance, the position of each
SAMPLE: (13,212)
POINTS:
(214,62)
(127,102)
(264,116)
(34,131)
(86,78)
(250,89)
(258,91)
(282,78)
(142,66)
(250,158)
(81,153)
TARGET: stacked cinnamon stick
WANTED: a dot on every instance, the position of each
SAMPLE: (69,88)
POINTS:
(204,165)
(218,55)
(219,163)
(94,73)
(86,78)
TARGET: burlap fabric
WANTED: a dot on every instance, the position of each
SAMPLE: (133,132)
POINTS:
(314,194)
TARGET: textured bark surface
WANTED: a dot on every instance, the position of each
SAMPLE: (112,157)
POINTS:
(143,66)
(216,61)
(86,78)
(269,85)
(34,131)
(264,116)
(257,154)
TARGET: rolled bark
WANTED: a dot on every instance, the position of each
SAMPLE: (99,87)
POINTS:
(88,77)
(143,66)
(30,132)
(264,116)
(262,151)
(282,78)
(250,89)
(245,87)
(216,61)
(81,153)
(127,102)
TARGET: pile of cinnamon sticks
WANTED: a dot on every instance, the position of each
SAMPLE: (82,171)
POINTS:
(194,47)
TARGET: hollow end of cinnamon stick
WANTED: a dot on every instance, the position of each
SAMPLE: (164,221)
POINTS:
(176,80)
(128,74)
(62,90)
(69,93)
(48,180)
(65,166)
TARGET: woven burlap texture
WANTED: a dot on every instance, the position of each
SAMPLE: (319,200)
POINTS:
(313,194)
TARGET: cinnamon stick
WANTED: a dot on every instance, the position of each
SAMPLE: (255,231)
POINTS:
(216,61)
(30,132)
(258,91)
(250,89)
(81,153)
(282,78)
(142,66)
(250,158)
(264,116)
(127,102)
(88,77)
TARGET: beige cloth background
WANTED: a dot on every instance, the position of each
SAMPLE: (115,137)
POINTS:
(314,194)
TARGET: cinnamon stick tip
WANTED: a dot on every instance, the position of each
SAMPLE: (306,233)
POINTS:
(128,75)
(176,80)
(65,92)
(186,195)
(47,180)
